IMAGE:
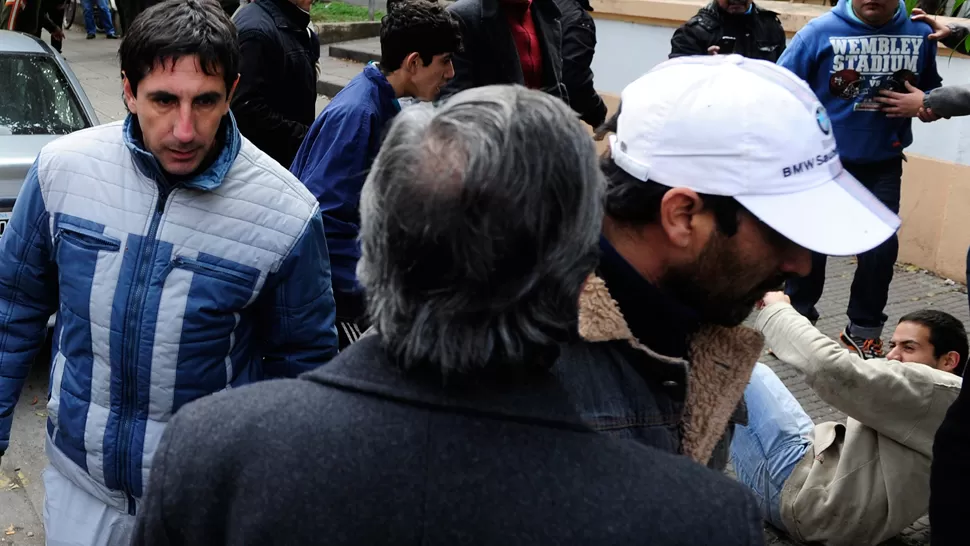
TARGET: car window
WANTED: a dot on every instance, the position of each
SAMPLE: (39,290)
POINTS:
(41,103)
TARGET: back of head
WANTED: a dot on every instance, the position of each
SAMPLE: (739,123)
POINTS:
(420,26)
(173,29)
(479,224)
(947,334)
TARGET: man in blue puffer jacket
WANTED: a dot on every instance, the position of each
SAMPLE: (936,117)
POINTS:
(179,258)
(848,56)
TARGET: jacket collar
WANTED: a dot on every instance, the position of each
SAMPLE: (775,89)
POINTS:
(638,300)
(285,14)
(207,180)
(385,92)
(366,368)
(720,364)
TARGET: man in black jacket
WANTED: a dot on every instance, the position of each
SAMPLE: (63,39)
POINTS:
(949,477)
(274,102)
(508,41)
(578,46)
(731,26)
(445,427)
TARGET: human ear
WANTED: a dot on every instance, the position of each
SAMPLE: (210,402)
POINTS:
(678,211)
(411,62)
(949,361)
(129,96)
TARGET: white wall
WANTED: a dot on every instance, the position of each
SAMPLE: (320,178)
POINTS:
(625,51)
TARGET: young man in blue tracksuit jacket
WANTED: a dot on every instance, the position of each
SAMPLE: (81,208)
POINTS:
(417,40)
(847,56)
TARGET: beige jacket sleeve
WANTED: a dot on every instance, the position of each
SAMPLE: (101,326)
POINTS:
(898,400)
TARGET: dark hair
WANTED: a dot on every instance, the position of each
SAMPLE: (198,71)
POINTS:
(416,26)
(633,202)
(173,29)
(480,222)
(947,334)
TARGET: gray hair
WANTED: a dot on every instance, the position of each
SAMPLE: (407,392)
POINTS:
(480,222)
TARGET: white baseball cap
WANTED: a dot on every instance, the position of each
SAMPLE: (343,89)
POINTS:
(752,130)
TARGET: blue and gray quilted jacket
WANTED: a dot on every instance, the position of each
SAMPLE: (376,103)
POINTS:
(163,294)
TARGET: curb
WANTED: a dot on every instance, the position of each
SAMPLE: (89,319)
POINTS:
(330,33)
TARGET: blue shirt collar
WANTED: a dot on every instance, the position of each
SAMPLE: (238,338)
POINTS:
(208,179)
(373,73)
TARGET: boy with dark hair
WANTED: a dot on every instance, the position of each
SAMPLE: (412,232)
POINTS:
(417,40)
(180,259)
(864,481)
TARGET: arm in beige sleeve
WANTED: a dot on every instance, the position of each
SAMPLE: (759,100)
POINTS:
(888,396)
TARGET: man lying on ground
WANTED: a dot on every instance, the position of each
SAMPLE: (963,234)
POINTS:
(865,481)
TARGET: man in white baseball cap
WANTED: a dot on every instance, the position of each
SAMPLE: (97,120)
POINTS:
(722,176)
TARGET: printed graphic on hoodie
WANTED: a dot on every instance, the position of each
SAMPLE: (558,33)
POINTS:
(863,65)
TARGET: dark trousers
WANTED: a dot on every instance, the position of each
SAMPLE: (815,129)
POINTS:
(870,286)
(351,318)
(127,11)
(52,10)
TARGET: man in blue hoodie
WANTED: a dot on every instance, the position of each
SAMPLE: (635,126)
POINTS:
(847,56)
(417,40)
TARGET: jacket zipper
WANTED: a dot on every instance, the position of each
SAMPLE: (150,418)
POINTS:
(129,364)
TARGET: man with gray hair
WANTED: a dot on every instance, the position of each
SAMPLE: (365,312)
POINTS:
(480,224)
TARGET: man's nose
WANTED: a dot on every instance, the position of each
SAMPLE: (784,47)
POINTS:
(450,72)
(185,125)
(797,261)
(893,354)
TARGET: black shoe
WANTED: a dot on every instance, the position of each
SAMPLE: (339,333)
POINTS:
(865,347)
(112,36)
(90,36)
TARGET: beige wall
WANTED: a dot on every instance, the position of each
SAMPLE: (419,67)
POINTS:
(935,205)
(936,216)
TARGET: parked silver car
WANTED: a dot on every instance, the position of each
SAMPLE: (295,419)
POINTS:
(40,99)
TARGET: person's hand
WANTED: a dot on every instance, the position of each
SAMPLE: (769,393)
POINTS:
(773,297)
(926,115)
(901,105)
(713,50)
(940,31)
(58,35)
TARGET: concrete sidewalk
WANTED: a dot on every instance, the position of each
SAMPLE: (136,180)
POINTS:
(95,62)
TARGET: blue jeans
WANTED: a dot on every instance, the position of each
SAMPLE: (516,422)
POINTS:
(104,8)
(870,285)
(778,434)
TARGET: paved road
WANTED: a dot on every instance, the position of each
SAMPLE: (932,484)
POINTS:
(21,490)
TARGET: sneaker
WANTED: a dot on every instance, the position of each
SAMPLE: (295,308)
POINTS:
(90,36)
(112,36)
(866,348)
